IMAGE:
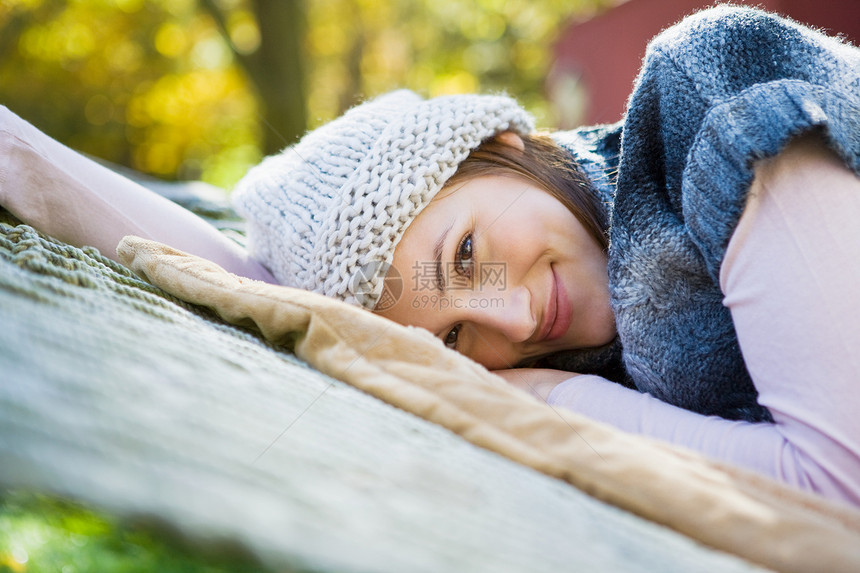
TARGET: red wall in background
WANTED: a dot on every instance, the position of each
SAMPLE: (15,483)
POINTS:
(597,60)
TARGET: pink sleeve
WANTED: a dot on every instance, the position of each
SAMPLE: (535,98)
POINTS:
(791,278)
(74,199)
(759,447)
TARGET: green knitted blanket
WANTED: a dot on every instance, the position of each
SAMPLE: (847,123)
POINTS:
(139,406)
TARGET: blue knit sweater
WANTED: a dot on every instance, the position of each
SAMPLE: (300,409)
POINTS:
(721,89)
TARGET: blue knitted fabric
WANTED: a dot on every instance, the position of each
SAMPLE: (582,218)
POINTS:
(721,89)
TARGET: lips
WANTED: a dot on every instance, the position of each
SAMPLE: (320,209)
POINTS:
(557,315)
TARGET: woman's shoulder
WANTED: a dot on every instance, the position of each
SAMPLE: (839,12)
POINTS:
(732,34)
(727,25)
(719,52)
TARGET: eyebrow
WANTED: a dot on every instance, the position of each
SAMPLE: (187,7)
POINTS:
(437,258)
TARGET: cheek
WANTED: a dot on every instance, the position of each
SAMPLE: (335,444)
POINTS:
(539,220)
(515,239)
(494,352)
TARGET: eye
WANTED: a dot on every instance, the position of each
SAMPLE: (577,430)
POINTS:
(463,260)
(451,338)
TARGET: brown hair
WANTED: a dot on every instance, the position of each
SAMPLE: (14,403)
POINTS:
(548,166)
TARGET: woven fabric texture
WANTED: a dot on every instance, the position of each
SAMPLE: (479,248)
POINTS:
(119,396)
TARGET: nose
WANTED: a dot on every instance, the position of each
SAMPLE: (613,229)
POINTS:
(507,312)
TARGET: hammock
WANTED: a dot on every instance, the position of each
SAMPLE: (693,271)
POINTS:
(123,397)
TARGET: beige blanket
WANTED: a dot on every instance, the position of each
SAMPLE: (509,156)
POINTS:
(721,506)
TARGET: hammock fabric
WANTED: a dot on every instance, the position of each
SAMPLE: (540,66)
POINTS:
(119,395)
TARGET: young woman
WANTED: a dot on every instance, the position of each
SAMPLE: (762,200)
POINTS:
(688,274)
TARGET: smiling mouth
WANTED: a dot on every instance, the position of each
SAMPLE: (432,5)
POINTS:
(557,316)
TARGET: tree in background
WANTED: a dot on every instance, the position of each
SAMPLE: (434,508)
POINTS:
(143,83)
(203,88)
(267,38)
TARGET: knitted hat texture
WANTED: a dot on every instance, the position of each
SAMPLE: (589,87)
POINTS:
(325,214)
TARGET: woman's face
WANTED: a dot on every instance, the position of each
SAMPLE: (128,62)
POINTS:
(502,272)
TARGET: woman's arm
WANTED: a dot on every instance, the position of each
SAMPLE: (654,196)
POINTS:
(759,447)
(790,278)
(775,450)
(76,200)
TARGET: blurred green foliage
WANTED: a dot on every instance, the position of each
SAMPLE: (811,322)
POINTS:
(42,534)
(160,85)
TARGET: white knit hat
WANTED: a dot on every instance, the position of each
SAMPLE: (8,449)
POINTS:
(325,214)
